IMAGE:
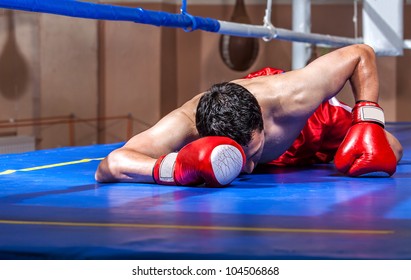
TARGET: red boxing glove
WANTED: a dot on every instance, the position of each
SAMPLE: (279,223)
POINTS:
(365,148)
(214,160)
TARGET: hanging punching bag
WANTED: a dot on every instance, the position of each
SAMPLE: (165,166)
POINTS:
(239,53)
(14,71)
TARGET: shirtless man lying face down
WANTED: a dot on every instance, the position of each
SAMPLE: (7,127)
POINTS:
(287,119)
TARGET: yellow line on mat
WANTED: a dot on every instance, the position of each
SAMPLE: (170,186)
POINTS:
(188,227)
(11,171)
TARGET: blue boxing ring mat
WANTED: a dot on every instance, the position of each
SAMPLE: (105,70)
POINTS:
(51,208)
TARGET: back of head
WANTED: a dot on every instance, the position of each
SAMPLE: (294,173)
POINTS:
(228,109)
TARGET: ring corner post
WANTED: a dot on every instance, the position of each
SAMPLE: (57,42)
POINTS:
(383,26)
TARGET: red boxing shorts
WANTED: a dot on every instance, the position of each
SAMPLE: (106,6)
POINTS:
(321,136)
(267,71)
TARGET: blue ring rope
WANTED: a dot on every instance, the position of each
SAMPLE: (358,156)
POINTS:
(183,11)
(111,12)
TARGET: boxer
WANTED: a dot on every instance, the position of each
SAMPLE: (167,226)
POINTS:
(284,119)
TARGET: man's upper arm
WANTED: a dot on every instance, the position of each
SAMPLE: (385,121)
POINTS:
(170,134)
(326,76)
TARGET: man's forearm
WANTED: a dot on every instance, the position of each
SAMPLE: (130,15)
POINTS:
(125,166)
(364,80)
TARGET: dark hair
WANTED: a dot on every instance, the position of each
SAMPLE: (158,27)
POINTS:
(230,110)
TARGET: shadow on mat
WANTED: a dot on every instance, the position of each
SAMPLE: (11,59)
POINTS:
(16,198)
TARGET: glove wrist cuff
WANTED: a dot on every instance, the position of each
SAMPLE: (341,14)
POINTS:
(163,171)
(368,111)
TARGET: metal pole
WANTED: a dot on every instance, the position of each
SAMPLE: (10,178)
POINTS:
(301,52)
